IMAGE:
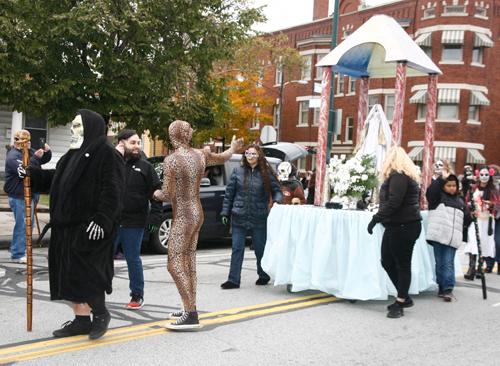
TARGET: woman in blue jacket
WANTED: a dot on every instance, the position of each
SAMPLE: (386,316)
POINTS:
(247,197)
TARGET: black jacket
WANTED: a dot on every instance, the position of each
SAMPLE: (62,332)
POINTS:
(141,181)
(249,207)
(399,200)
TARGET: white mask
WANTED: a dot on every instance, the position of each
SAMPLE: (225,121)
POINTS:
(76,140)
(484,175)
(439,166)
(284,170)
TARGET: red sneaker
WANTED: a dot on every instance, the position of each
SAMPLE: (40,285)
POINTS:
(136,302)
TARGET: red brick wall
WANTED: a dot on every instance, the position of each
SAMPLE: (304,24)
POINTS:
(320,9)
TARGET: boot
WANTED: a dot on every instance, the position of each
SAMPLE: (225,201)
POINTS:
(498,268)
(478,270)
(472,268)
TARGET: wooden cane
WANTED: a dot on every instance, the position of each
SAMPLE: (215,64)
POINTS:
(37,223)
(29,240)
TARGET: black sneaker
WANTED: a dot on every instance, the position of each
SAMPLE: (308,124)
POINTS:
(447,295)
(100,325)
(407,304)
(440,291)
(72,328)
(188,320)
(488,269)
(262,281)
(136,302)
(229,285)
(176,315)
(396,311)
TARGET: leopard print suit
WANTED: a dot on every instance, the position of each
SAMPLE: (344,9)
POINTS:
(182,173)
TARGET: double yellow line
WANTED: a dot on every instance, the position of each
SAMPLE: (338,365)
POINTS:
(71,344)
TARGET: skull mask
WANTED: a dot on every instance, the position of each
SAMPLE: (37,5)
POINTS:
(439,167)
(484,175)
(284,170)
(21,138)
(76,140)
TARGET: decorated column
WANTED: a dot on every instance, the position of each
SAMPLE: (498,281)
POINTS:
(363,105)
(322,133)
(399,103)
(430,124)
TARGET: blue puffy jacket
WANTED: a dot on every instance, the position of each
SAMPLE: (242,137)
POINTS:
(249,207)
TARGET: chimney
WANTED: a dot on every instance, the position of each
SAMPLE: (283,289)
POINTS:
(320,9)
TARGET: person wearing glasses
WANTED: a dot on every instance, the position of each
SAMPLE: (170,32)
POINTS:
(251,187)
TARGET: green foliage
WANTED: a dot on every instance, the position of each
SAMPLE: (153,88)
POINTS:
(145,63)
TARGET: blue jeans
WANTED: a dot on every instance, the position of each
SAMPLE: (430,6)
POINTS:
(490,262)
(445,265)
(131,240)
(239,238)
(18,245)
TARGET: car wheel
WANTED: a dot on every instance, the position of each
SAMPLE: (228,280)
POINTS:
(158,243)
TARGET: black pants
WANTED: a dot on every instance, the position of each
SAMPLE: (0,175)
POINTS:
(397,249)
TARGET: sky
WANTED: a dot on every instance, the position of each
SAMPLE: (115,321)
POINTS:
(287,13)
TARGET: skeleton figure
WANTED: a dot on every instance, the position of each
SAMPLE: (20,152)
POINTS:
(284,170)
(182,173)
(76,140)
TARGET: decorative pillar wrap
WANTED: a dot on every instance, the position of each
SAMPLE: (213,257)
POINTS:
(363,105)
(430,126)
(322,133)
(399,104)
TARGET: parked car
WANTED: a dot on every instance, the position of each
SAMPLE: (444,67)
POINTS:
(212,192)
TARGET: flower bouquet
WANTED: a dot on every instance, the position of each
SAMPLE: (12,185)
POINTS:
(353,177)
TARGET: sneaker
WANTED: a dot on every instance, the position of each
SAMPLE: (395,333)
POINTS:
(440,291)
(188,320)
(21,260)
(72,328)
(176,315)
(136,302)
(119,256)
(396,311)
(262,281)
(229,285)
(407,304)
(100,325)
(447,295)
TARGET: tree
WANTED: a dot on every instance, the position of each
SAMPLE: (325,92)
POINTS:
(145,63)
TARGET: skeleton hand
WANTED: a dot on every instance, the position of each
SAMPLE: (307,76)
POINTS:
(96,232)
(23,171)
(236,144)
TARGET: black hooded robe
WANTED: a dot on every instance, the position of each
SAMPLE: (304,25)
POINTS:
(87,185)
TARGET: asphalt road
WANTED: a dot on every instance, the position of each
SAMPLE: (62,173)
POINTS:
(253,325)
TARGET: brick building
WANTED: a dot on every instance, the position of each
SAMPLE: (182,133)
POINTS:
(460,36)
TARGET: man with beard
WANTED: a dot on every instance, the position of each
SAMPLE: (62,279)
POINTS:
(141,181)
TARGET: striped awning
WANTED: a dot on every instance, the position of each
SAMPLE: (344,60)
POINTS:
(453,37)
(448,153)
(478,98)
(417,153)
(449,96)
(482,40)
(473,156)
(425,40)
(419,97)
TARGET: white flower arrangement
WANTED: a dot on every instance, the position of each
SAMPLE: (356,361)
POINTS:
(352,177)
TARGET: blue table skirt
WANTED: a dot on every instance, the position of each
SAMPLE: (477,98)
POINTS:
(331,251)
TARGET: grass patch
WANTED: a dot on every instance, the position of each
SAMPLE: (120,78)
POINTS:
(44,199)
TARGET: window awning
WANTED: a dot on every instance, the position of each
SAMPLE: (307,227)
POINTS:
(449,96)
(448,153)
(425,40)
(473,156)
(482,40)
(417,153)
(478,98)
(453,37)
(419,97)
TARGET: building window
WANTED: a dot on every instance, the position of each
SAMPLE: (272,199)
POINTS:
(422,111)
(255,121)
(37,127)
(389,107)
(313,162)
(457,10)
(448,111)
(316,116)
(306,70)
(340,84)
(319,70)
(427,50)
(372,101)
(477,55)
(303,113)
(301,164)
(452,52)
(276,120)
(429,13)
(481,12)
(352,85)
(473,113)
(349,127)
(279,77)
(347,33)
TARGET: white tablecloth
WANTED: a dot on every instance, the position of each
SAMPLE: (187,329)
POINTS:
(331,251)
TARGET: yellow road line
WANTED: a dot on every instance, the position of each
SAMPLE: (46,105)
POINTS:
(146,330)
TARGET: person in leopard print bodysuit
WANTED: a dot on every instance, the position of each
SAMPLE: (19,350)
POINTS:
(182,173)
